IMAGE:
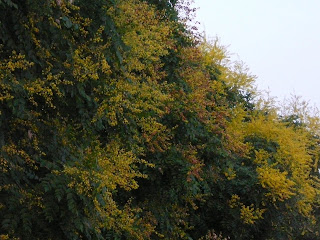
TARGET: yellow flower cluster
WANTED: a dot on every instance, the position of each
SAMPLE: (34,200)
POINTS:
(248,214)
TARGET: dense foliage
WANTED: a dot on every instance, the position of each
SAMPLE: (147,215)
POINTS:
(118,122)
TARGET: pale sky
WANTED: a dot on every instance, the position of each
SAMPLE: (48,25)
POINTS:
(279,40)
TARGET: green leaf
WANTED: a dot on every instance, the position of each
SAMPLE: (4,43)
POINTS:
(67,22)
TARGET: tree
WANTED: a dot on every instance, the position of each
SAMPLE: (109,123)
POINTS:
(118,122)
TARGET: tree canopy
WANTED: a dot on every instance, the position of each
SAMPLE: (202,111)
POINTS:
(118,121)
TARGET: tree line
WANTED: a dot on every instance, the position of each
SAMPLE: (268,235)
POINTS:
(119,121)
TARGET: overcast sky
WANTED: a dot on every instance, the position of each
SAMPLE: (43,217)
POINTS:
(279,40)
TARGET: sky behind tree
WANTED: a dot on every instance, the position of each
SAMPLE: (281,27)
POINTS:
(278,40)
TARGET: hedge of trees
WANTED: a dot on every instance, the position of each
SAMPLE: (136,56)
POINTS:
(117,121)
